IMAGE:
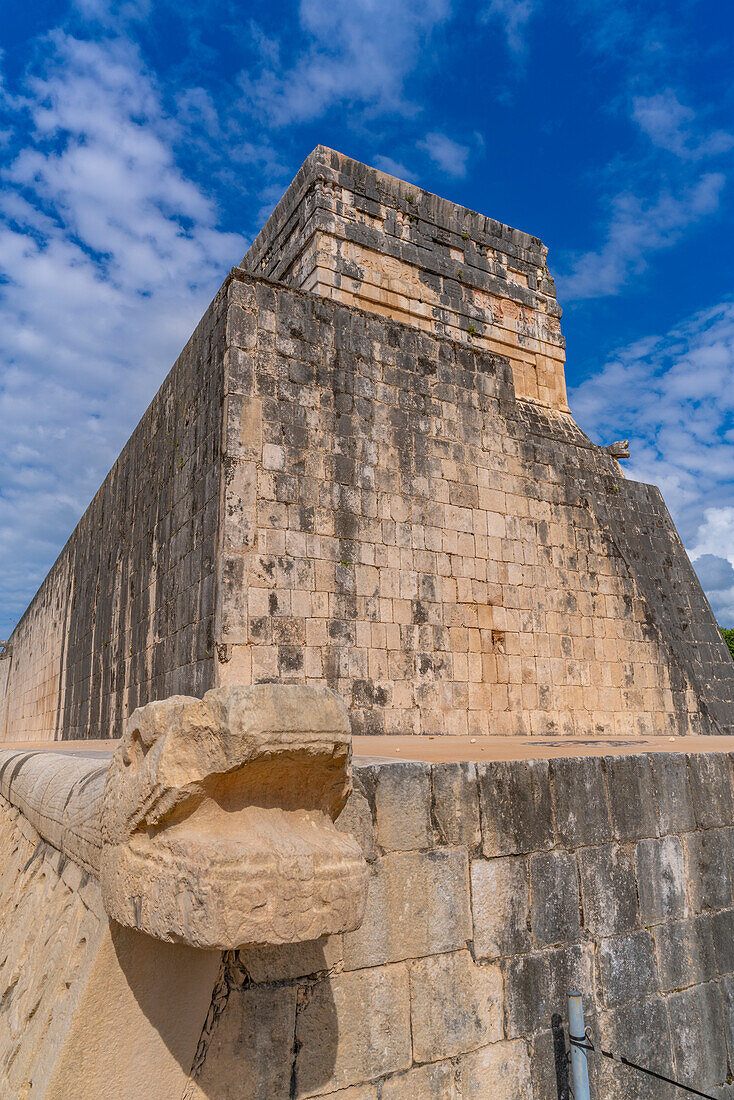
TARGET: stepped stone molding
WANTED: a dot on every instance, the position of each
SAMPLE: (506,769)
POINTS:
(213,823)
(349,232)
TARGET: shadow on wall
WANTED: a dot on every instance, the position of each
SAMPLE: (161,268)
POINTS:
(560,1057)
(171,984)
(270,1033)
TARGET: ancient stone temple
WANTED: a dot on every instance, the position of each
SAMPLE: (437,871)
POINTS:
(361,479)
(362,472)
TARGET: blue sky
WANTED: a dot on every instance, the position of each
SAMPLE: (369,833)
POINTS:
(143,144)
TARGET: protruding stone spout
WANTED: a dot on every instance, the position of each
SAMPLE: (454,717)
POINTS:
(214,823)
(619,449)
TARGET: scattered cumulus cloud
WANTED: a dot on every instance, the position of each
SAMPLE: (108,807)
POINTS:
(672,126)
(447,154)
(361,52)
(673,397)
(113,13)
(513,17)
(637,230)
(109,254)
(667,188)
(716,573)
(716,534)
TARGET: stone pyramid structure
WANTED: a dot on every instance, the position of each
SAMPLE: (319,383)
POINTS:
(362,472)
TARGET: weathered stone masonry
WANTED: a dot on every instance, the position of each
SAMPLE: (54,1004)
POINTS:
(126,614)
(321,494)
(447,557)
(494,889)
(363,238)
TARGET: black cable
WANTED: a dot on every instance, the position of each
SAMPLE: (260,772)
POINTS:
(586,1044)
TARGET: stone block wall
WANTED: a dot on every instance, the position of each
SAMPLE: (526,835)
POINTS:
(321,495)
(87,1008)
(52,921)
(494,889)
(126,614)
(363,238)
(446,557)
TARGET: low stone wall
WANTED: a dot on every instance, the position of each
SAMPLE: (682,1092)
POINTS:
(70,980)
(494,889)
(51,919)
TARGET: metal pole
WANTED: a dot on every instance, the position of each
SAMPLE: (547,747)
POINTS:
(579,1066)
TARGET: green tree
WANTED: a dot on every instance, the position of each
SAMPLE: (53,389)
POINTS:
(728,634)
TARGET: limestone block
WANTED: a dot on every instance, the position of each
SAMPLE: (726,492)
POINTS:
(708,869)
(249,1056)
(672,792)
(353,1028)
(727,995)
(628,970)
(417,904)
(88,1009)
(456,803)
(684,951)
(403,802)
(153,998)
(548,1061)
(356,820)
(698,1031)
(608,890)
(710,777)
(661,880)
(455,1005)
(516,807)
(498,1072)
(60,797)
(49,944)
(439,1081)
(642,1033)
(241,327)
(580,801)
(554,915)
(722,925)
(500,891)
(631,801)
(286,961)
(217,819)
(536,985)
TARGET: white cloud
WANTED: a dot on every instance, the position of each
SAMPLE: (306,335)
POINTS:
(113,13)
(513,16)
(715,536)
(394,168)
(636,231)
(662,196)
(357,53)
(672,126)
(716,574)
(109,256)
(673,397)
(449,155)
